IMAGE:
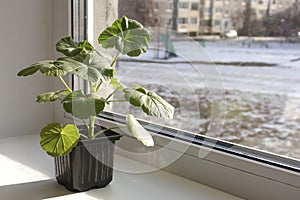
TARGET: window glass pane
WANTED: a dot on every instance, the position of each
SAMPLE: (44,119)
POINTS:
(194,20)
(195,6)
(242,63)
(183,5)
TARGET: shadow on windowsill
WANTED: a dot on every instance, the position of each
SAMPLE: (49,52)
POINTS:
(33,190)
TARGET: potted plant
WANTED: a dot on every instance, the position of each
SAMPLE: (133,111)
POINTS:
(83,153)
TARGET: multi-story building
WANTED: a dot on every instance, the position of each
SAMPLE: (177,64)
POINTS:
(163,13)
(141,10)
(195,17)
(188,17)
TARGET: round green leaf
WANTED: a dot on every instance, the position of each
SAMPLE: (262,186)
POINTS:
(94,66)
(82,106)
(57,140)
(126,35)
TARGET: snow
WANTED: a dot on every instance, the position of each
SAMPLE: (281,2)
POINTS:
(262,102)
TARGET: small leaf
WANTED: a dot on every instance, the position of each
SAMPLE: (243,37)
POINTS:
(126,35)
(70,48)
(138,131)
(82,106)
(28,71)
(49,96)
(150,102)
(57,140)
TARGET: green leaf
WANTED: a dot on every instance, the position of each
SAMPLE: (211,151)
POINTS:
(57,140)
(126,35)
(150,102)
(51,96)
(28,71)
(94,66)
(138,131)
(82,106)
(59,67)
(70,48)
(53,68)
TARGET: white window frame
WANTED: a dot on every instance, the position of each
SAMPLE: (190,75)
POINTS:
(232,173)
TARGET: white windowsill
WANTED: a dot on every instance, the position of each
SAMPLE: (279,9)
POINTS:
(28,173)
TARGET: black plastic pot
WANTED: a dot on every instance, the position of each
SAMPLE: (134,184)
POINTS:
(89,164)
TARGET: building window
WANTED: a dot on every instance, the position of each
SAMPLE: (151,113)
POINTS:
(195,6)
(183,5)
(235,12)
(218,10)
(226,12)
(207,10)
(217,22)
(183,20)
(194,20)
(169,6)
(262,12)
(207,22)
(156,5)
(142,3)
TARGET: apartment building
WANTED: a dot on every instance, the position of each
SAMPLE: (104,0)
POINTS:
(163,13)
(196,17)
(141,10)
(189,17)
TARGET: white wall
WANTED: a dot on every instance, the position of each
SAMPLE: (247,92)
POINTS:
(25,36)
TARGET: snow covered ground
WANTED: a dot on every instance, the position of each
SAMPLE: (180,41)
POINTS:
(260,103)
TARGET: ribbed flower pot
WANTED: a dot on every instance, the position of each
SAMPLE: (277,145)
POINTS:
(89,164)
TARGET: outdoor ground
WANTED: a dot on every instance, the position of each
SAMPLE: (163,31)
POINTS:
(257,106)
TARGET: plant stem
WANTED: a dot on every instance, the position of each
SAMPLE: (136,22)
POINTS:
(98,86)
(92,127)
(65,84)
(115,59)
(92,88)
(83,136)
(102,131)
(107,98)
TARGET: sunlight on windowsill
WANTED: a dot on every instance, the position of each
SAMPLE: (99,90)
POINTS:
(15,172)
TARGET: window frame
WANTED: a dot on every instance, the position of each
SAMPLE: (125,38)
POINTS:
(245,172)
